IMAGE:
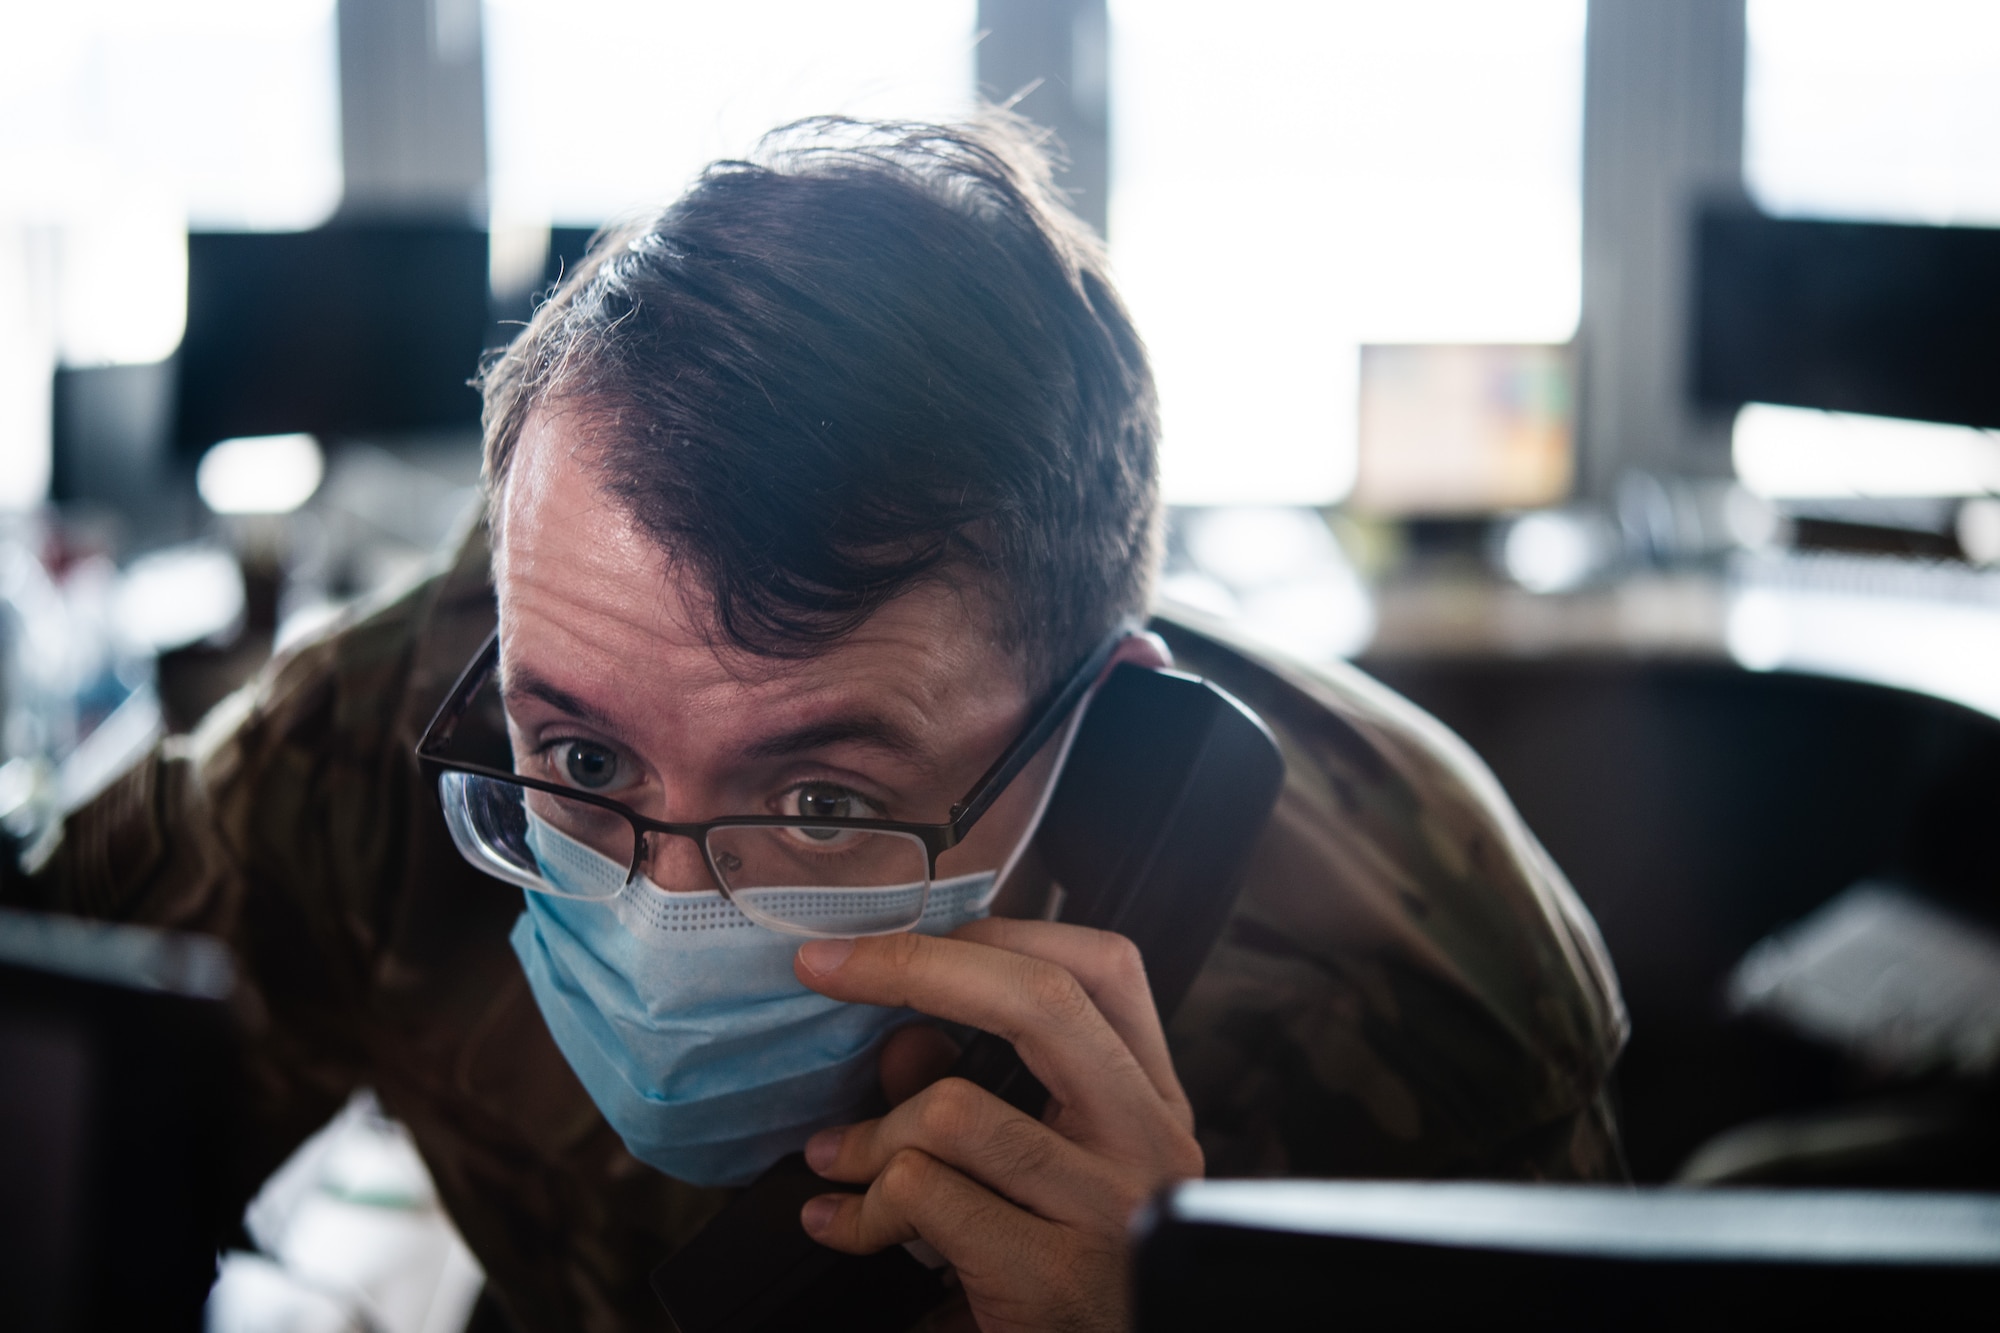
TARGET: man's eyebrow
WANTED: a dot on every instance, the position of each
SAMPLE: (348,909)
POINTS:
(525,683)
(864,728)
(861,728)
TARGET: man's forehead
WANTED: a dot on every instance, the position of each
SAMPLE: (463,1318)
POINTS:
(571,559)
(552,489)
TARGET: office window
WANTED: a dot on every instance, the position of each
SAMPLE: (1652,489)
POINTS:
(595,107)
(223,111)
(1883,110)
(1292,181)
(122,122)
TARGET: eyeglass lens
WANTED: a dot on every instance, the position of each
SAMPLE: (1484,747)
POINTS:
(814,879)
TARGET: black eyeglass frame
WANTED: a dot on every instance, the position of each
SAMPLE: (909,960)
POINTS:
(938,838)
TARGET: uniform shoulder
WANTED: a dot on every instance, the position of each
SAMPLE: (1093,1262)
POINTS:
(1402,938)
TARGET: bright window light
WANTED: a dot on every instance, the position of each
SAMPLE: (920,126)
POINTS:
(122,288)
(1291,181)
(27,366)
(260,474)
(224,111)
(1879,109)
(597,107)
(122,122)
(1800,453)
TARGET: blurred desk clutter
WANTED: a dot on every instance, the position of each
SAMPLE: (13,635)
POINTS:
(348,1235)
(120,1100)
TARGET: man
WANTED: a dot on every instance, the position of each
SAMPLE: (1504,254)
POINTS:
(804,495)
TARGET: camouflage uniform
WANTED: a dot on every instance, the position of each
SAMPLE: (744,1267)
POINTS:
(1408,987)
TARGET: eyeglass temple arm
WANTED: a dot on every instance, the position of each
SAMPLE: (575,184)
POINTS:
(445,722)
(1053,713)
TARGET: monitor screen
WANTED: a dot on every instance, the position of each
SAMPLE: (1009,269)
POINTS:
(1466,428)
(1380,1255)
(1886,320)
(347,330)
(118,1123)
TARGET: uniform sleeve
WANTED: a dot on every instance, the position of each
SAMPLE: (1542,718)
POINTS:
(251,830)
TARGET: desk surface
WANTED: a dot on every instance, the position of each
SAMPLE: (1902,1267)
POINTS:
(1934,629)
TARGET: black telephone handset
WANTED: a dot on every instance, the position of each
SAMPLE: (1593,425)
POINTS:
(1168,782)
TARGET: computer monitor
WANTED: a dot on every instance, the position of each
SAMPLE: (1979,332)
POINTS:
(348,330)
(1368,1255)
(567,247)
(1463,429)
(1876,318)
(117,1109)
(112,451)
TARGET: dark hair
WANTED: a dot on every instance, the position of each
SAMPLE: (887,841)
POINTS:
(875,354)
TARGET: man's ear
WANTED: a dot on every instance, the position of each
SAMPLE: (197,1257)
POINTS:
(1145,649)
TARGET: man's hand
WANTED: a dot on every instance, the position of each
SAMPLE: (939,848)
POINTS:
(1031,1213)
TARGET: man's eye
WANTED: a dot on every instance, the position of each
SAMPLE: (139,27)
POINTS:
(822,800)
(591,767)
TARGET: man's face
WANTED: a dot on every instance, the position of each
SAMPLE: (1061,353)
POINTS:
(612,683)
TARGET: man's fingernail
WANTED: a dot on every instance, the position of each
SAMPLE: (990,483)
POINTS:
(818,1213)
(824,956)
(823,1147)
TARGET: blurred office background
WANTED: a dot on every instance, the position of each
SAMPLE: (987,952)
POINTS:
(1617,379)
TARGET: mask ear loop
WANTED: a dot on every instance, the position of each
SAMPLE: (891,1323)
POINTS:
(1007,867)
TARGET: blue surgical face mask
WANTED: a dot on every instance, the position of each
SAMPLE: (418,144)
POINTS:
(684,1020)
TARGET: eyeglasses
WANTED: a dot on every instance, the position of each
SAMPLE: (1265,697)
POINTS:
(824,877)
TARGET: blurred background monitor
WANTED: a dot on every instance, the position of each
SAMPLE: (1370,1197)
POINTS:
(347,330)
(1367,1255)
(1883,319)
(111,436)
(1463,429)
(567,247)
(118,1085)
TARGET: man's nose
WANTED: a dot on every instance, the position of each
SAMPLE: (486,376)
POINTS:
(675,863)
